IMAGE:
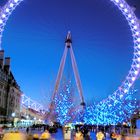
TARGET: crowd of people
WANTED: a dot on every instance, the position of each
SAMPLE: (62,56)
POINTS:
(46,135)
(45,132)
(100,135)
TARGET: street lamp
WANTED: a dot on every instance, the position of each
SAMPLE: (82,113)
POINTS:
(27,117)
(13,116)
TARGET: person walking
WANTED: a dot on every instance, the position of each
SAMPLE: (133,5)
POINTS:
(27,130)
(100,135)
(45,135)
(35,137)
(78,136)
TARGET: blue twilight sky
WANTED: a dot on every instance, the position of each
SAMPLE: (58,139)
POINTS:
(34,38)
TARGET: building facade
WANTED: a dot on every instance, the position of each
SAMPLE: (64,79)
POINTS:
(10,93)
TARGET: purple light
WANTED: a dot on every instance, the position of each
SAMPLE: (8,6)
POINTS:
(117,1)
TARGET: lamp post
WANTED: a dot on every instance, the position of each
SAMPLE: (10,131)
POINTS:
(13,117)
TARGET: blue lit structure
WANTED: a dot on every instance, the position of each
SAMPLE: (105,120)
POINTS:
(64,105)
(117,109)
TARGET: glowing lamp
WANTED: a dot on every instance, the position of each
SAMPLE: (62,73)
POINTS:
(129,16)
(11,5)
(135,27)
(137,33)
(138,65)
(136,72)
(138,59)
(1,21)
(133,78)
(7,10)
(3,15)
(132,21)
(125,10)
(139,46)
(121,5)
(13,114)
(16,1)
(129,84)
(139,40)
(126,90)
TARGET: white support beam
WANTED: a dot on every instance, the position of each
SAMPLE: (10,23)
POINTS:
(29,103)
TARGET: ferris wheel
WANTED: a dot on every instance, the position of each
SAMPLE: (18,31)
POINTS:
(134,25)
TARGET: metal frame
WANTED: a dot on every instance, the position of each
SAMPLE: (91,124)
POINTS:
(68,47)
(27,102)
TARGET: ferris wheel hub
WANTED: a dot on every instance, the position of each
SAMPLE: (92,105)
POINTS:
(68,40)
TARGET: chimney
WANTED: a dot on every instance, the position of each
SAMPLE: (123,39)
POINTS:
(1,58)
(7,64)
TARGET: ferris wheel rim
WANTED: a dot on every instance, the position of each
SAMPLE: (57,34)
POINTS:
(132,20)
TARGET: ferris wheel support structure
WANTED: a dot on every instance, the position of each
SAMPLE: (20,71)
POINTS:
(68,47)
